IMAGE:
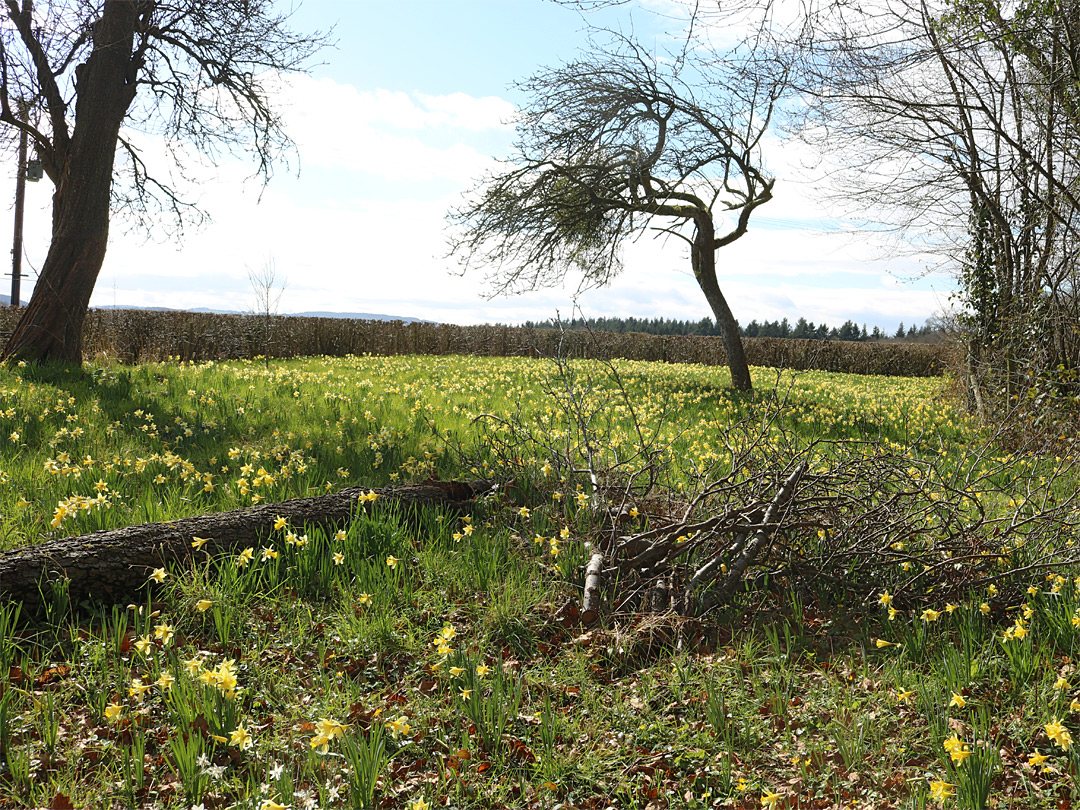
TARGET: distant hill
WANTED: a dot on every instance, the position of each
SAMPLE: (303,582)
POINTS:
(358,316)
(5,301)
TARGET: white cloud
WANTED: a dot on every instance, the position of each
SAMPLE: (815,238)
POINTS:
(390,134)
(463,111)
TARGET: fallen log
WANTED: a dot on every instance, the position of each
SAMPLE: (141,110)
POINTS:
(112,565)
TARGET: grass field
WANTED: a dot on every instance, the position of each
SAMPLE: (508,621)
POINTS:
(418,664)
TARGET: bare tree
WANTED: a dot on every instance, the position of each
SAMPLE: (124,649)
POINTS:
(611,145)
(95,74)
(267,293)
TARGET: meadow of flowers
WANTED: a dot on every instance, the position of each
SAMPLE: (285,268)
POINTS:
(423,661)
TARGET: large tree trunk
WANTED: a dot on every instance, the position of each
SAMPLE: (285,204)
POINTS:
(703,255)
(113,565)
(51,326)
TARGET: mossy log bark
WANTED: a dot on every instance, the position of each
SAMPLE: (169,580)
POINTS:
(111,566)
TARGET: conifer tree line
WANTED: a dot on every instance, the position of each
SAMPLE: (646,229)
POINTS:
(802,328)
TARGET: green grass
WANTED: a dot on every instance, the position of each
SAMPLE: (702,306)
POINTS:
(300,678)
(126,445)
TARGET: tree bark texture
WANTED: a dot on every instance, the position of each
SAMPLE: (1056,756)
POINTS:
(112,565)
(82,169)
(703,256)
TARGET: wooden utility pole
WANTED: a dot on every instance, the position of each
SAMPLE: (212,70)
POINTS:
(20,200)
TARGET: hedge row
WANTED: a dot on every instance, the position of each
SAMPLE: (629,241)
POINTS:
(135,335)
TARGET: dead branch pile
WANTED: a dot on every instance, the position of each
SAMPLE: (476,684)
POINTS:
(852,518)
(856,519)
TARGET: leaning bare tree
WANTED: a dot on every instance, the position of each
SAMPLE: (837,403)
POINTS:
(97,75)
(614,144)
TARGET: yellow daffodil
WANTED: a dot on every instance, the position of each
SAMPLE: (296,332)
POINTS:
(364,599)
(482,670)
(1059,734)
(198,542)
(327,730)
(203,605)
(958,700)
(930,615)
(940,790)
(339,558)
(112,712)
(885,598)
(1036,759)
(769,799)
(392,561)
(958,750)
(904,695)
(138,689)
(398,726)
(880,643)
(245,557)
(280,523)
(241,738)
(159,575)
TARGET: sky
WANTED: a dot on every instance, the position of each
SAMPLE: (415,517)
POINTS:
(392,125)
